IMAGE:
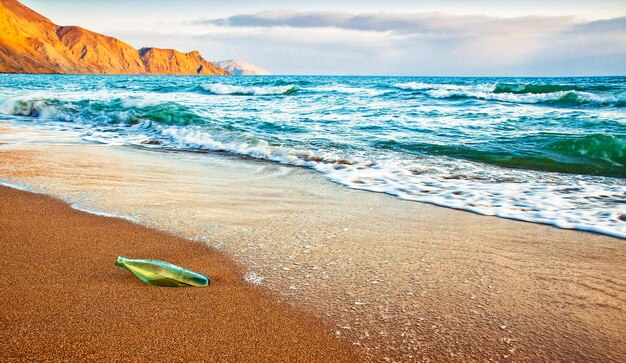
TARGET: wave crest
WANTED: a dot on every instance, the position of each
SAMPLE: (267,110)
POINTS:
(519,88)
(226,89)
(44,108)
(595,154)
(551,94)
(129,111)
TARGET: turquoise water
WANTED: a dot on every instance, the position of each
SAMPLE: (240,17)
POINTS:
(548,150)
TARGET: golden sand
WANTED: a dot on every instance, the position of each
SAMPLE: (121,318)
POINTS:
(62,298)
(398,280)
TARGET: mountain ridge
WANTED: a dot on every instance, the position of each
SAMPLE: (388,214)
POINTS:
(32,43)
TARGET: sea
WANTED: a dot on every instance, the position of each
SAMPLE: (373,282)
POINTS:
(543,150)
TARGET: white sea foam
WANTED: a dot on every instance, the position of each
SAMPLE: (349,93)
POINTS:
(138,102)
(29,106)
(253,278)
(16,186)
(518,98)
(346,89)
(568,201)
(572,206)
(71,204)
(486,92)
(103,214)
(226,89)
(197,138)
(415,86)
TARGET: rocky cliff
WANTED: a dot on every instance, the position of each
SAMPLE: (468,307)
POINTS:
(31,43)
(170,61)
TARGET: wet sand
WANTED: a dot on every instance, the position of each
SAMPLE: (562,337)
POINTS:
(61,297)
(397,280)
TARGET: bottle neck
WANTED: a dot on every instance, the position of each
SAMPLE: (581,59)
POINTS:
(120,261)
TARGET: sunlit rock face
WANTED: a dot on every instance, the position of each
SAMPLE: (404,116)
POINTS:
(171,61)
(31,43)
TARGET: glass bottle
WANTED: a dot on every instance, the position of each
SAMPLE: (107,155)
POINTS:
(159,273)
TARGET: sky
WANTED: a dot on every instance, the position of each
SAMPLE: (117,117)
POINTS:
(366,37)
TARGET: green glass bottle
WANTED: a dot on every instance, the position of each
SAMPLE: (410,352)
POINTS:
(159,273)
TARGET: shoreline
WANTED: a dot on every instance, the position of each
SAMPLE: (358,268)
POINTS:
(64,299)
(251,159)
(451,203)
(400,280)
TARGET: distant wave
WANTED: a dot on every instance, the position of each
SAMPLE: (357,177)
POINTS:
(556,95)
(226,89)
(418,86)
(522,88)
(282,82)
(518,88)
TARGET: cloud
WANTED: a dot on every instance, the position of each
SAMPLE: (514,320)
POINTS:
(422,43)
(615,24)
(419,23)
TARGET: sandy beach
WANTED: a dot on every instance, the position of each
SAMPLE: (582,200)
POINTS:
(63,300)
(395,280)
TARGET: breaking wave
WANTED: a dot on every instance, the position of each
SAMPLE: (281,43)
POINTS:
(226,89)
(555,95)
(586,154)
